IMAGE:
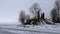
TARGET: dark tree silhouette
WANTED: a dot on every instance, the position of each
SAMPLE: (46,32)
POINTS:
(42,16)
(55,13)
(35,9)
(58,12)
(38,14)
(22,17)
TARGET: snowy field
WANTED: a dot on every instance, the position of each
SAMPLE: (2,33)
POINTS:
(29,29)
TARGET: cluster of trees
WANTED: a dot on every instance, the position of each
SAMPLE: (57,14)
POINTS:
(55,13)
(35,10)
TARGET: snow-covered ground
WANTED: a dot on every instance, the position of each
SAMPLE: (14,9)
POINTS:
(29,29)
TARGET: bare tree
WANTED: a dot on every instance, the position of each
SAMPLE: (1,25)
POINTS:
(56,13)
(22,17)
(53,15)
(34,9)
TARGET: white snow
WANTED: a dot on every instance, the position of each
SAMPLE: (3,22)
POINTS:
(30,29)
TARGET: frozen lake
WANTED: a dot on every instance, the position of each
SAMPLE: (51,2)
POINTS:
(42,29)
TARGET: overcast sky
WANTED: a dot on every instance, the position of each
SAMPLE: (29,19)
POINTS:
(9,9)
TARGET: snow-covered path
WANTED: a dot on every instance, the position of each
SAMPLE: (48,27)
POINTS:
(46,29)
